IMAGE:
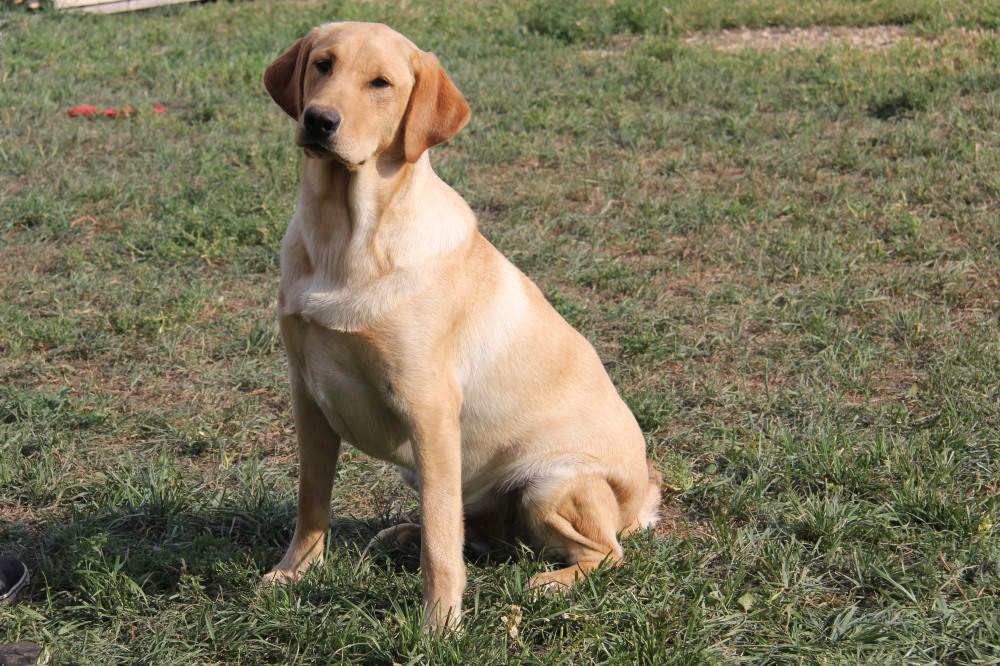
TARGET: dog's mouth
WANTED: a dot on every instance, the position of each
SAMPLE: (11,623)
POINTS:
(318,151)
(315,144)
(315,149)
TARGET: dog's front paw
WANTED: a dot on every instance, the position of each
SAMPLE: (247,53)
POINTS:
(440,619)
(280,578)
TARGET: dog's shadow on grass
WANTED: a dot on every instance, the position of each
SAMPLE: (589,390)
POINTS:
(166,550)
(171,548)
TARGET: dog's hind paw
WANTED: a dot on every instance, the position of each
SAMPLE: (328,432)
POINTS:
(404,534)
(561,580)
(548,583)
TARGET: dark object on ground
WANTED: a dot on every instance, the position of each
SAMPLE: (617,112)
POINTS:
(21,654)
(13,576)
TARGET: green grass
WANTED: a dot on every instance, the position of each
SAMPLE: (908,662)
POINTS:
(788,260)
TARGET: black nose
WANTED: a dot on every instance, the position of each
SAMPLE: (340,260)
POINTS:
(320,122)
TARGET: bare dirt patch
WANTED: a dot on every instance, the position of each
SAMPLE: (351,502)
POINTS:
(789,39)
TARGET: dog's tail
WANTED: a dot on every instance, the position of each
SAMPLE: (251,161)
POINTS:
(649,512)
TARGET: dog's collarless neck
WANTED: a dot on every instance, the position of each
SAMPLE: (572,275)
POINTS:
(359,195)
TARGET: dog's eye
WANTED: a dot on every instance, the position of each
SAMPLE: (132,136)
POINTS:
(324,66)
(380,82)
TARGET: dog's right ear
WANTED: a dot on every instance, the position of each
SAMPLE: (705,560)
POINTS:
(285,77)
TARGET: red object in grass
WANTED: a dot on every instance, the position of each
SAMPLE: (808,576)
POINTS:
(88,111)
(119,113)
(82,111)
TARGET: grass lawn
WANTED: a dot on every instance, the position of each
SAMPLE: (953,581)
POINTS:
(783,240)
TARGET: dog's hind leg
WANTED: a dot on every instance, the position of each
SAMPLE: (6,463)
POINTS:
(580,527)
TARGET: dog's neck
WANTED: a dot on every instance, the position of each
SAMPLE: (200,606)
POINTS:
(366,238)
(358,196)
(366,221)
(351,210)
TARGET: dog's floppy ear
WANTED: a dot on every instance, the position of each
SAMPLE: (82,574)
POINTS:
(436,112)
(285,76)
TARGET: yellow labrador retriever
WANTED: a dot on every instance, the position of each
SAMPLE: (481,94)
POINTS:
(412,338)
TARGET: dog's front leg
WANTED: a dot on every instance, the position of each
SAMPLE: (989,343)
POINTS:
(438,446)
(319,449)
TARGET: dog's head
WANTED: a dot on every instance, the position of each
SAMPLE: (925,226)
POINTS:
(362,90)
